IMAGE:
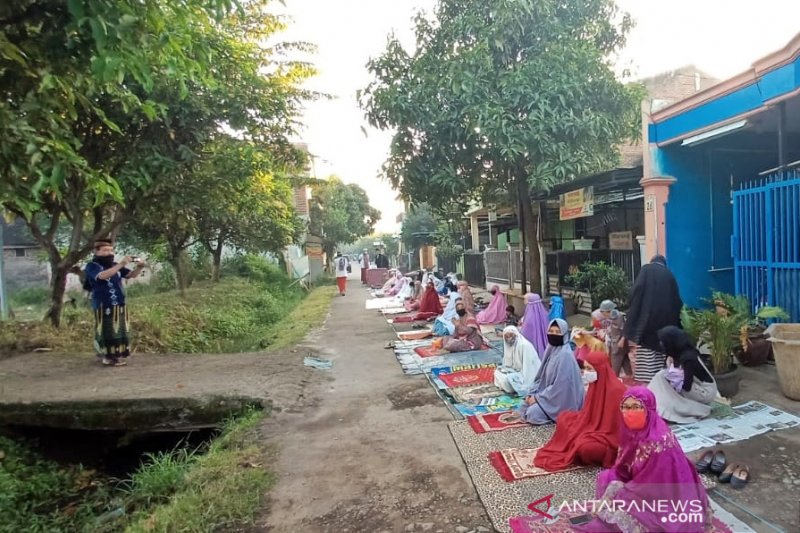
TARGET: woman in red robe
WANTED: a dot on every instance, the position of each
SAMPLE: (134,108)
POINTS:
(589,436)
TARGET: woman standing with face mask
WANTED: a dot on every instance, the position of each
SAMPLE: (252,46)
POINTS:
(558,386)
(589,436)
(652,477)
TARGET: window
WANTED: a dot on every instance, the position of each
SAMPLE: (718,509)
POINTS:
(19,252)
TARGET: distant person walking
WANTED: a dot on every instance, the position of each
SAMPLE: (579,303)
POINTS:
(381,261)
(341,263)
(104,277)
(655,303)
(364,266)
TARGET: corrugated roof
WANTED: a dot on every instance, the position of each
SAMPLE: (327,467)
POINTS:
(17,235)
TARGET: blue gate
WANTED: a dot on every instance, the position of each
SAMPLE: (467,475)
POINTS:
(766,242)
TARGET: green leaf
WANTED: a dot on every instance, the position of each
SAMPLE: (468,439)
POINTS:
(75,8)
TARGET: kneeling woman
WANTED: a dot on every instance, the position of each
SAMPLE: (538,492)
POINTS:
(589,436)
(558,386)
(685,390)
(520,363)
(467,336)
(652,477)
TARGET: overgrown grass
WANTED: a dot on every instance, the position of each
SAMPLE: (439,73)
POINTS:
(254,307)
(178,490)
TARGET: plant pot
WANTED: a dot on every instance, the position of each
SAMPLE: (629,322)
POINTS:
(758,351)
(728,382)
(785,339)
(570,307)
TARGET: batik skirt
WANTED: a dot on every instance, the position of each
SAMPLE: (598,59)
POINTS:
(111,333)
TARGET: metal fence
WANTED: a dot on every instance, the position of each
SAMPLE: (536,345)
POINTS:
(563,263)
(766,242)
(497,267)
(475,269)
(447,264)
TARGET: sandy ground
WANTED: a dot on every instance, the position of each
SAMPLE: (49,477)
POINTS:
(373,452)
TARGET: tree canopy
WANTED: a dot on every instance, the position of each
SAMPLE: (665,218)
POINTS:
(340,213)
(501,98)
(107,105)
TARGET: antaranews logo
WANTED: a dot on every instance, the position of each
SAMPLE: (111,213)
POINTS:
(670,511)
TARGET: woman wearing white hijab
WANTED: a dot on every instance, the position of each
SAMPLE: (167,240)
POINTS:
(520,363)
(406,290)
(444,324)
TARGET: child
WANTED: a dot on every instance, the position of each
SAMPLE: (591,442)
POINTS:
(511,320)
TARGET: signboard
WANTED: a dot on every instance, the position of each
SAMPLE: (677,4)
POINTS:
(576,204)
(313,249)
(649,203)
(620,240)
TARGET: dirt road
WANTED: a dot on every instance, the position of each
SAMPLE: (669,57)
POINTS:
(372,451)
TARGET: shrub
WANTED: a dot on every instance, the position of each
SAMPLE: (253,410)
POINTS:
(30,296)
(603,282)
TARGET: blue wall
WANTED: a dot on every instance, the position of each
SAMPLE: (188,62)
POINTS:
(692,244)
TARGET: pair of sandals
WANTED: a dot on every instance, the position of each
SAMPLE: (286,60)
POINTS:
(110,362)
(714,461)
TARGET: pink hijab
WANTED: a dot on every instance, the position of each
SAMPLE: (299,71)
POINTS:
(495,313)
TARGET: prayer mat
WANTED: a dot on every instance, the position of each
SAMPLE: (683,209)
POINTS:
(474,394)
(517,463)
(495,422)
(499,404)
(504,500)
(430,351)
(413,364)
(476,376)
(414,335)
(395,311)
(561,524)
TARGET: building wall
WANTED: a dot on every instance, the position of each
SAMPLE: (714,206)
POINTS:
(24,272)
(698,225)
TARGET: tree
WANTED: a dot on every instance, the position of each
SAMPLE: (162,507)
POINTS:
(340,213)
(98,117)
(80,87)
(419,223)
(502,98)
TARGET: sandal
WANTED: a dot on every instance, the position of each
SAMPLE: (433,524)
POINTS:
(719,463)
(107,362)
(740,477)
(120,362)
(389,345)
(704,462)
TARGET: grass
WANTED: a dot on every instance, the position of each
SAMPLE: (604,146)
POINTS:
(252,308)
(222,488)
(177,490)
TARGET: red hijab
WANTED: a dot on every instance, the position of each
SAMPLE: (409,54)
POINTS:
(594,430)
(430,302)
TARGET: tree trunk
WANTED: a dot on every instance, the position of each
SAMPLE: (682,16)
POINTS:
(216,255)
(531,229)
(521,225)
(58,286)
(178,262)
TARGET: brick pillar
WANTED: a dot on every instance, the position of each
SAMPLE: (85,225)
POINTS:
(656,195)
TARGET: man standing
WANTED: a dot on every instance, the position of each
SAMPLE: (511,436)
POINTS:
(381,261)
(341,263)
(104,278)
(364,266)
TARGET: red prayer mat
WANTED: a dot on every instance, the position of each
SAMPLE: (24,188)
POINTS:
(430,351)
(495,422)
(517,463)
(403,319)
(474,376)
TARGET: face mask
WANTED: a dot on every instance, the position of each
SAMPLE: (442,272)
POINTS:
(635,420)
(589,377)
(461,312)
(493,292)
(555,340)
(106,261)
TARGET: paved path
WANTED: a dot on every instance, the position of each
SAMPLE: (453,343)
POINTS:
(373,453)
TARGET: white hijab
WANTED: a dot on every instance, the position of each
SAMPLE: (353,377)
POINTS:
(405,289)
(450,311)
(521,356)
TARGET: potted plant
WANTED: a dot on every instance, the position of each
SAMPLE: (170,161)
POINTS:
(754,348)
(730,330)
(719,332)
(601,281)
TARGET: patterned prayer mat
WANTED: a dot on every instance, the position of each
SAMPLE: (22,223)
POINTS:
(504,500)
(475,376)
(429,351)
(514,464)
(499,404)
(474,394)
(495,422)
(412,363)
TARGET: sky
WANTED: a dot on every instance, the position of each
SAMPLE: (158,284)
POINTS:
(721,37)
